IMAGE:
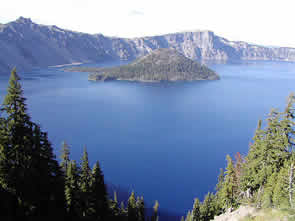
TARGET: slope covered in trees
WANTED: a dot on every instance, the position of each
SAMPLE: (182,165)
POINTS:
(35,186)
(161,65)
(262,179)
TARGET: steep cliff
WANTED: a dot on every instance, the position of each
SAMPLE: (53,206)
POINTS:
(25,45)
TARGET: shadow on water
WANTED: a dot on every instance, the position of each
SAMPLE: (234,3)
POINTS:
(123,195)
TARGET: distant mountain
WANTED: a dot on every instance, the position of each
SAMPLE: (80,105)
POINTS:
(163,64)
(25,45)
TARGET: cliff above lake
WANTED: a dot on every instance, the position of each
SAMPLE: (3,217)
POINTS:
(161,65)
(25,45)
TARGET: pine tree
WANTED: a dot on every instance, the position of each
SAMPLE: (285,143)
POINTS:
(85,182)
(270,150)
(72,190)
(28,168)
(131,208)
(48,178)
(16,142)
(196,213)
(229,188)
(99,198)
(207,209)
(140,209)
(114,206)
(238,168)
(65,156)
(267,197)
(219,207)
(281,196)
(188,216)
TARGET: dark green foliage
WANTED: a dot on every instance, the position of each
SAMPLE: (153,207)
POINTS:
(33,186)
(229,189)
(161,65)
(65,157)
(196,212)
(207,209)
(85,182)
(131,208)
(99,198)
(28,168)
(72,190)
(140,209)
(114,207)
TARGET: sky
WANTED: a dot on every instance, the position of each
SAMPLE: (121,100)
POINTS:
(265,22)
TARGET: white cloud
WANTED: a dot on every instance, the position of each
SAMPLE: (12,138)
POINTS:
(136,13)
(268,22)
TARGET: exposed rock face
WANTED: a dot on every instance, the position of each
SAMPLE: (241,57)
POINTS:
(25,45)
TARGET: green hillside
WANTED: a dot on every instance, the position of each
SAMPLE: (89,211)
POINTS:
(160,65)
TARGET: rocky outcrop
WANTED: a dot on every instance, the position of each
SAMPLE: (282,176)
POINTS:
(26,45)
(247,213)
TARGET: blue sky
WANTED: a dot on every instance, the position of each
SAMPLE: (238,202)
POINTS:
(267,22)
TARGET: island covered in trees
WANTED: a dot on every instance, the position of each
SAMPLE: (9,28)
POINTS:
(160,65)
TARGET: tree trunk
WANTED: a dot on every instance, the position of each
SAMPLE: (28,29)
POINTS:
(291,176)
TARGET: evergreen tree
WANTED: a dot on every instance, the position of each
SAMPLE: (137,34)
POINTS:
(207,209)
(271,149)
(238,168)
(281,188)
(98,191)
(16,142)
(267,197)
(122,209)
(140,209)
(188,216)
(219,207)
(229,187)
(28,168)
(132,208)
(114,206)
(196,213)
(85,182)
(48,177)
(72,190)
(65,156)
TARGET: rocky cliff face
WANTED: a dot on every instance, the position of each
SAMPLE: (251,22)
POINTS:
(24,44)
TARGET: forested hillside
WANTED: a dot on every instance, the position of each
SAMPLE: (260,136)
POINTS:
(264,178)
(160,65)
(34,185)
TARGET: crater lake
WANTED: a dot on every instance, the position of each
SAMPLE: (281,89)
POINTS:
(163,140)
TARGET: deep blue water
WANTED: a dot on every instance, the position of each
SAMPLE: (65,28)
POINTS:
(166,141)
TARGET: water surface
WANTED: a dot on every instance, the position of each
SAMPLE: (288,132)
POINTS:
(166,141)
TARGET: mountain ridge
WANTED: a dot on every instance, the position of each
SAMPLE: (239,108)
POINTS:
(26,45)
